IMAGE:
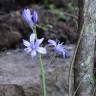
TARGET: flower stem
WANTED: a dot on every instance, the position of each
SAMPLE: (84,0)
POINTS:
(42,73)
(35,31)
(42,77)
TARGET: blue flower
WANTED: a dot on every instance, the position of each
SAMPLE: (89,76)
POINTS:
(34,17)
(33,46)
(26,15)
(58,48)
(30,19)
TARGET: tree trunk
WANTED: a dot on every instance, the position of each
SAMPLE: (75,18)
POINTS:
(83,71)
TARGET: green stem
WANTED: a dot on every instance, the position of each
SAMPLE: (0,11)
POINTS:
(35,31)
(42,73)
(43,79)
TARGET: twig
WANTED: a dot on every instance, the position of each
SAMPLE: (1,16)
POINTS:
(73,60)
(71,15)
(65,13)
(77,88)
(94,91)
(79,85)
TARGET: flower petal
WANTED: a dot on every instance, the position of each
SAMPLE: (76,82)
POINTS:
(39,41)
(52,42)
(64,54)
(26,43)
(41,50)
(31,24)
(33,53)
(26,15)
(28,49)
(35,16)
(32,37)
(60,47)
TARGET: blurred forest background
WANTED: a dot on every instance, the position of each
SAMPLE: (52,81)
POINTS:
(57,17)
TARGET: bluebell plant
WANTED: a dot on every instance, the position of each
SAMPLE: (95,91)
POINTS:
(33,45)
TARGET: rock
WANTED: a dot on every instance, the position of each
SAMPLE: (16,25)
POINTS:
(17,67)
(11,90)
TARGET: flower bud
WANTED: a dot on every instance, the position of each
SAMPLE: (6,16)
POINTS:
(34,16)
(27,17)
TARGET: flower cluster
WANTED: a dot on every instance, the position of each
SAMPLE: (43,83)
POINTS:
(33,46)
